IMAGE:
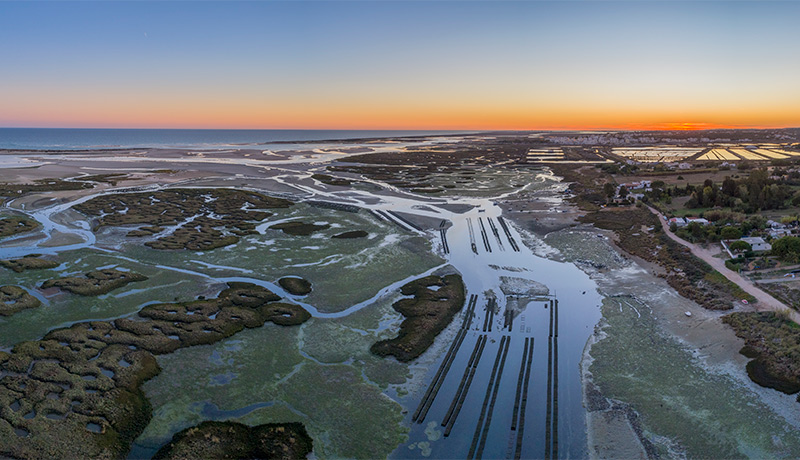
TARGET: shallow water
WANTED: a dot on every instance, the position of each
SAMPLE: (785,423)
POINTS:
(68,139)
(578,313)
(576,293)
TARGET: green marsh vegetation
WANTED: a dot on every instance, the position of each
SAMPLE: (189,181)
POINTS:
(330,180)
(320,374)
(299,228)
(95,282)
(41,185)
(341,270)
(231,440)
(14,225)
(76,392)
(29,262)
(203,219)
(470,180)
(773,342)
(351,234)
(639,233)
(426,315)
(295,286)
(14,299)
(62,308)
(706,414)
(309,378)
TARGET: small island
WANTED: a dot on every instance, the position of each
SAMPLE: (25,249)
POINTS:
(295,285)
(426,315)
(351,234)
(14,299)
(299,228)
(94,283)
(231,440)
(29,262)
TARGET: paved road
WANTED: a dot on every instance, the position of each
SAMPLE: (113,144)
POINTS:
(765,301)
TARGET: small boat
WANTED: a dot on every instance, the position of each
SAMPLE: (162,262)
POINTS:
(688,313)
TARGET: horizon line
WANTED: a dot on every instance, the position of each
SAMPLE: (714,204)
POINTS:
(643,127)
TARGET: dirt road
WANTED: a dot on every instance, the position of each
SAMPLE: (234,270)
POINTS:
(765,301)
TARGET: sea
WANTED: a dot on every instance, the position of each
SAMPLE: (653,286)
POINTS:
(79,139)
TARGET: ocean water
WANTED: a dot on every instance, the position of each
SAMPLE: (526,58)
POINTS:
(76,139)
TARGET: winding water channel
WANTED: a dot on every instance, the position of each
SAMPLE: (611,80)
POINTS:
(487,394)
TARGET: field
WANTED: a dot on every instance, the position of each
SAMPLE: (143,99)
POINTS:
(747,154)
(539,155)
(763,153)
(770,154)
(659,154)
(718,154)
(565,155)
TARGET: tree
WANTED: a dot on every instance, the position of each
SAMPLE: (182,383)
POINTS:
(708,197)
(609,189)
(693,202)
(623,191)
(730,233)
(787,248)
(740,246)
(729,187)
(696,230)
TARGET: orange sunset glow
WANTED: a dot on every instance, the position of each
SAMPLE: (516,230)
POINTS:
(688,68)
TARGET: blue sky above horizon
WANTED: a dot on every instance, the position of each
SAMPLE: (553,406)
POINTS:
(438,65)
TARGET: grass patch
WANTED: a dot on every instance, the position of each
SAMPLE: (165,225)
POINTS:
(719,279)
(784,293)
(200,219)
(299,228)
(709,415)
(350,235)
(77,390)
(29,262)
(14,299)
(774,344)
(295,286)
(639,233)
(223,440)
(426,315)
(41,185)
(330,180)
(15,225)
(321,374)
(95,283)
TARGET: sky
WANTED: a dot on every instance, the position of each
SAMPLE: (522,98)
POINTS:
(400,65)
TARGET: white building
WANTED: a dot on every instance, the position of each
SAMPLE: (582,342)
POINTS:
(779,232)
(757,243)
(699,220)
(679,221)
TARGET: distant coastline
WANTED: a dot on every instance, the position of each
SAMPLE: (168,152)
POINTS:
(90,138)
